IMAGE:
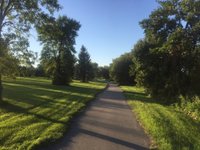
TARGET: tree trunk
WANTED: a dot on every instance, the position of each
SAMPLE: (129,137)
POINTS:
(1,89)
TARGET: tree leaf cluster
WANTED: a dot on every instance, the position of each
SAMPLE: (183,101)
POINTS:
(167,60)
(120,69)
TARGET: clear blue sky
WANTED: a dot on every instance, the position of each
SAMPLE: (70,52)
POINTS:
(109,28)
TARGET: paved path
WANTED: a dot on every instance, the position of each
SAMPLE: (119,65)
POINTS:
(108,124)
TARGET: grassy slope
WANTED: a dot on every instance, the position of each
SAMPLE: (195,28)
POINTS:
(36,112)
(169,128)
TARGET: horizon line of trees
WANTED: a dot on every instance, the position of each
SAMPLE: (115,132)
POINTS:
(90,70)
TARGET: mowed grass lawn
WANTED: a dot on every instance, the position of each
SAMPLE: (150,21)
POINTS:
(35,112)
(169,129)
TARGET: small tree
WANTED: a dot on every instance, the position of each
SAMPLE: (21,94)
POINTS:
(84,64)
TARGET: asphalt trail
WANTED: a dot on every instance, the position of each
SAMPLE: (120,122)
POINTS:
(108,124)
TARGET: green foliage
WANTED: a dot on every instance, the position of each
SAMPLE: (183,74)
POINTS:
(141,55)
(58,37)
(37,112)
(8,62)
(84,64)
(40,71)
(103,72)
(30,71)
(169,129)
(16,19)
(168,59)
(93,71)
(26,71)
(120,69)
(189,107)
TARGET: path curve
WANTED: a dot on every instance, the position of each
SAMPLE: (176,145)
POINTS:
(108,124)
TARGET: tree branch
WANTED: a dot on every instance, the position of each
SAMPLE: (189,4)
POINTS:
(7,8)
(4,12)
(2,4)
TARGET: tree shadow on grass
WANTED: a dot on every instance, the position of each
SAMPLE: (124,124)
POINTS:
(27,103)
(46,85)
(19,110)
(23,99)
(36,95)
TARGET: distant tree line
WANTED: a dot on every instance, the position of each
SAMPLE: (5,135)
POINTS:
(83,68)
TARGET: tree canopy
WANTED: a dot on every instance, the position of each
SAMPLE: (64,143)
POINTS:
(168,59)
(16,19)
(120,69)
(58,38)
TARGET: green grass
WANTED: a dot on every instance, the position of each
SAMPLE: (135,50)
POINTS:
(191,108)
(168,128)
(35,112)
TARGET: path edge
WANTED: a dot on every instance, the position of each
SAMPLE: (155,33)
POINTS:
(134,114)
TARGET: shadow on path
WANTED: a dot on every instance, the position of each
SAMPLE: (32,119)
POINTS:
(108,123)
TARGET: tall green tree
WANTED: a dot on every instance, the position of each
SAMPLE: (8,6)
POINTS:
(58,38)
(84,63)
(120,69)
(16,19)
(142,64)
(172,65)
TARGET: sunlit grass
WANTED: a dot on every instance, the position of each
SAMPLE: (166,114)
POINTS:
(35,112)
(170,129)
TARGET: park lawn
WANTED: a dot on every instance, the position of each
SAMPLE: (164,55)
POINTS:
(168,128)
(35,112)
